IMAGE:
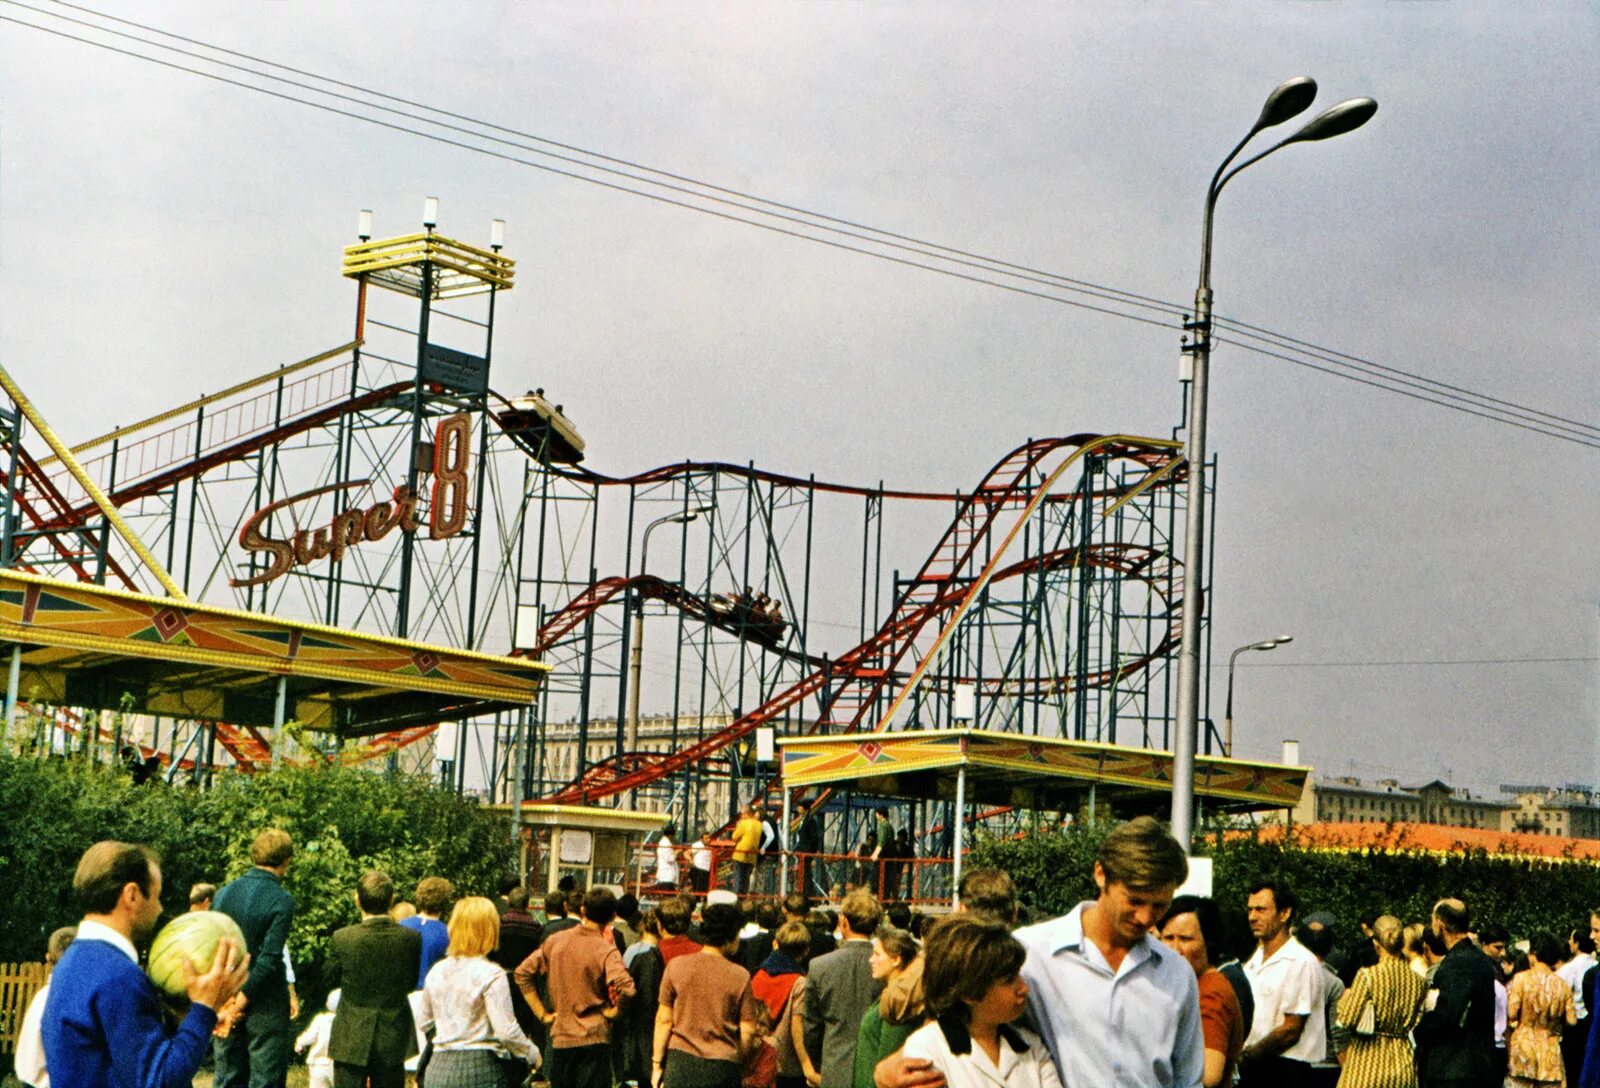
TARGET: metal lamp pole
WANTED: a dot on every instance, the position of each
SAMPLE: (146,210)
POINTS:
(1287,100)
(1267,644)
(636,650)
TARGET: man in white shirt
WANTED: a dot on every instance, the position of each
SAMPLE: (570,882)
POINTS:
(666,861)
(1289,1030)
(1576,1039)
(1116,1007)
(700,863)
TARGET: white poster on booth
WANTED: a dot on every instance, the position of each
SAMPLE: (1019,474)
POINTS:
(577,847)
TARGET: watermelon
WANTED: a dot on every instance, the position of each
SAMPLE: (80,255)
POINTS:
(195,935)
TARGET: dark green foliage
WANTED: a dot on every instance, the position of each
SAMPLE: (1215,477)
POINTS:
(343,822)
(1052,870)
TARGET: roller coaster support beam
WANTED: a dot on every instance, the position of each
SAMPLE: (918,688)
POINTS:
(90,488)
(636,650)
(1287,100)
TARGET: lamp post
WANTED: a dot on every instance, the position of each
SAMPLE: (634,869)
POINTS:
(1266,644)
(1287,100)
(636,651)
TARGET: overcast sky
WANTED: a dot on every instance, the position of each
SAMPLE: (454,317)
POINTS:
(162,235)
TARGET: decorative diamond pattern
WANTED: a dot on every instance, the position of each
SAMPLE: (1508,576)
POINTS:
(169,623)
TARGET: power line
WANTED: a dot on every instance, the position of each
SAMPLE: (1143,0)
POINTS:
(1405,393)
(1152,303)
(1412,663)
(1409,379)
(1109,294)
(1329,361)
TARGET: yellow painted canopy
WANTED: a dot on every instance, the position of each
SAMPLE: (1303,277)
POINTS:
(100,648)
(1040,773)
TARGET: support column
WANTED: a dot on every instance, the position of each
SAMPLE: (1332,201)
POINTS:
(13,681)
(783,840)
(279,710)
(958,840)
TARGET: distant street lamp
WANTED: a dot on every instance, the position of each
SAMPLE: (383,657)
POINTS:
(636,651)
(1268,644)
(1287,100)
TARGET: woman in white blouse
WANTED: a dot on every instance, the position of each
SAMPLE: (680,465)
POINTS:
(466,1000)
(971,976)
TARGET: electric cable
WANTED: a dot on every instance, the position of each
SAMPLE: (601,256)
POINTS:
(1335,363)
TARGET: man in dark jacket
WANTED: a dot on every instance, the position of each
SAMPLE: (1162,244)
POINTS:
(255,1052)
(808,840)
(1455,1039)
(520,934)
(376,963)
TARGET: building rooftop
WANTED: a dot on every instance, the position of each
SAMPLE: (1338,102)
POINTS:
(1434,838)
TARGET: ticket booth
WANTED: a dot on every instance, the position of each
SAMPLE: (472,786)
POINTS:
(594,846)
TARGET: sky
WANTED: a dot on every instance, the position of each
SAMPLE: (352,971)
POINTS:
(162,235)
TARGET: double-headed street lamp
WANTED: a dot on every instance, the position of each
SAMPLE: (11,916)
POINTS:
(1266,644)
(636,651)
(1287,100)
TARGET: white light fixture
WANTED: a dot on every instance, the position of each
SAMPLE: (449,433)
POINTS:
(364,224)
(497,234)
(430,212)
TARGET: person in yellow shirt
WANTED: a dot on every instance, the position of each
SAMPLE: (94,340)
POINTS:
(746,848)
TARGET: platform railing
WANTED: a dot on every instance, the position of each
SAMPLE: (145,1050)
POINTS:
(821,877)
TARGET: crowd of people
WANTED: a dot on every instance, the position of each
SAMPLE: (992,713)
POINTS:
(1138,987)
(881,861)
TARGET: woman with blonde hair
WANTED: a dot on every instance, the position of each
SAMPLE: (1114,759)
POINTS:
(1381,1007)
(1413,948)
(467,1001)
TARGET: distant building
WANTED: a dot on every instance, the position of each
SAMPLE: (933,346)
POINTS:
(556,763)
(1569,811)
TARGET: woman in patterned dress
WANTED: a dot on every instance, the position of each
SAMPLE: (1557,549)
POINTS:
(1538,1006)
(1384,1058)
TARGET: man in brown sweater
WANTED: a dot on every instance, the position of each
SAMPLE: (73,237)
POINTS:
(587,983)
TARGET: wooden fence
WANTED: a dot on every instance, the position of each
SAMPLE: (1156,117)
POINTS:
(18,983)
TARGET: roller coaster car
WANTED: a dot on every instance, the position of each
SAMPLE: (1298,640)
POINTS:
(753,615)
(536,419)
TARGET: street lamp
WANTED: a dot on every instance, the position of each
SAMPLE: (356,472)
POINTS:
(1268,644)
(1287,100)
(636,652)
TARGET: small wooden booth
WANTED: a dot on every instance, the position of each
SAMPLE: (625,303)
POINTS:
(594,846)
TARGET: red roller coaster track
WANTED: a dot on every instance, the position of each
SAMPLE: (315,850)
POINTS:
(938,588)
(865,669)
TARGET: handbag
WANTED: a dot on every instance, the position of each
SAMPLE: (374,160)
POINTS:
(514,1072)
(1366,1024)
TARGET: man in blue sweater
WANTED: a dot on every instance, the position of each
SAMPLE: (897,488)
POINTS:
(102,1023)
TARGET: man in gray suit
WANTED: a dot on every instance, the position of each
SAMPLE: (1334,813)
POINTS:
(376,964)
(839,990)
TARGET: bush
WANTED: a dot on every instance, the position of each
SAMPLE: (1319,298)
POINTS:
(1053,872)
(343,822)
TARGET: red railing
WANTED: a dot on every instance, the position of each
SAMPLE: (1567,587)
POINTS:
(821,877)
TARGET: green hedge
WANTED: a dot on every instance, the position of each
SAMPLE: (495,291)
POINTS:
(1053,871)
(343,822)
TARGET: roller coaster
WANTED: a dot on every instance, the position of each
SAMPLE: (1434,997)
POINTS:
(384,485)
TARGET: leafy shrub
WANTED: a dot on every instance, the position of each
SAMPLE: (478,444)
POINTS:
(343,822)
(1053,869)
